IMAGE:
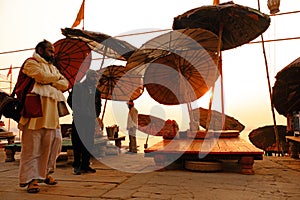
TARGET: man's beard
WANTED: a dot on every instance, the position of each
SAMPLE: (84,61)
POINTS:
(50,59)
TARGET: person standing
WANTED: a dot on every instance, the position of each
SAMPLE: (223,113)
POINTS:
(85,101)
(132,124)
(41,137)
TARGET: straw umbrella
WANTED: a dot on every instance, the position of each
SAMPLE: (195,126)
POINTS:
(230,122)
(150,125)
(264,138)
(286,90)
(118,85)
(102,43)
(72,58)
(179,64)
(234,24)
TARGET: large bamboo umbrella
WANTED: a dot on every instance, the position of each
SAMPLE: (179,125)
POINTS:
(215,121)
(264,138)
(286,90)
(234,24)
(72,59)
(102,43)
(179,64)
(116,84)
(180,78)
(150,124)
(172,42)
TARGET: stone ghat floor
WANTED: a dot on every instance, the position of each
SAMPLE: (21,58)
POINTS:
(133,177)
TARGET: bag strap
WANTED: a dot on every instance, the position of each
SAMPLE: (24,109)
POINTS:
(27,86)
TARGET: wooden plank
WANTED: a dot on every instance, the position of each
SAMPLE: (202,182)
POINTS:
(234,146)
(9,136)
(193,147)
(293,138)
(223,146)
(237,146)
(5,134)
(210,145)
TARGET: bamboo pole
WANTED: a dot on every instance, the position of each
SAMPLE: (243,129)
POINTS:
(219,64)
(270,90)
(10,91)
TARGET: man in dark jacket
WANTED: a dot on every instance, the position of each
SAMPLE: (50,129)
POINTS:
(85,102)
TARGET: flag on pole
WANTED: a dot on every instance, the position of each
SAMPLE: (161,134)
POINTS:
(9,71)
(80,16)
(216,2)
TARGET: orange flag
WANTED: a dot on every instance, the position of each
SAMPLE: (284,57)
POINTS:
(216,2)
(9,71)
(80,16)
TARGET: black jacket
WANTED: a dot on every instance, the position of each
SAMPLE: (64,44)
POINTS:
(85,101)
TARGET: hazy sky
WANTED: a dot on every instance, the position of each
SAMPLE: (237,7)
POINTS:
(25,23)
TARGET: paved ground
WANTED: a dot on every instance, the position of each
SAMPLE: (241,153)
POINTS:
(275,178)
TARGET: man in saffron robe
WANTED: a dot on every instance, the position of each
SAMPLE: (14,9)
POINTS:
(41,137)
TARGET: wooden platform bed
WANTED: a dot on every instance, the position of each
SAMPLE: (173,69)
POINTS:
(180,150)
(11,149)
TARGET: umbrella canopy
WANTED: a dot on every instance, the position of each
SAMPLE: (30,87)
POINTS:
(171,42)
(286,90)
(150,124)
(180,78)
(238,24)
(178,67)
(102,43)
(264,138)
(116,84)
(216,120)
(72,58)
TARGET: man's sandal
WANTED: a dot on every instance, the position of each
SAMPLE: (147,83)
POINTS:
(33,187)
(50,180)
